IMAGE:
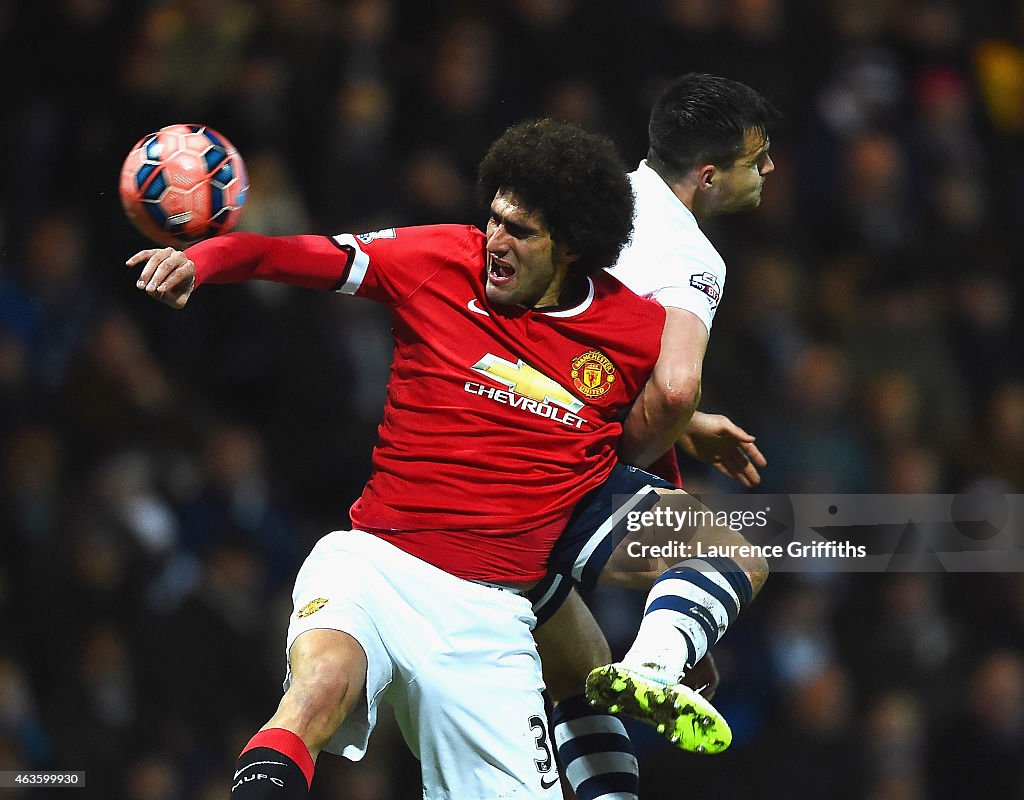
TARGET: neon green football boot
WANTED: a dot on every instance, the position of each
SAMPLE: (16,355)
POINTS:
(688,720)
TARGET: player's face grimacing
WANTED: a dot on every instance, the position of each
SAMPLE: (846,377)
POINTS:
(739,186)
(524,265)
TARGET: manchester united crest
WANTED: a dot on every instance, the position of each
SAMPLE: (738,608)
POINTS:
(311,607)
(593,373)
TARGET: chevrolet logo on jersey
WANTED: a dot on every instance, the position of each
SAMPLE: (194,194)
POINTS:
(530,390)
(526,381)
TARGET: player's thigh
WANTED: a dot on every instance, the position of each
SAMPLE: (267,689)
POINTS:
(337,662)
(648,550)
(598,524)
(571,644)
(475,714)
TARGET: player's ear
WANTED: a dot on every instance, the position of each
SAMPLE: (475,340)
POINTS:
(705,176)
(564,254)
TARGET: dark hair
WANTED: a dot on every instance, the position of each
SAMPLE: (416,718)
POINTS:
(703,119)
(574,179)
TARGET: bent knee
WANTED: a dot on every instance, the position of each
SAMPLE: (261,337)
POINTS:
(321,679)
(754,565)
(328,672)
(327,663)
(749,559)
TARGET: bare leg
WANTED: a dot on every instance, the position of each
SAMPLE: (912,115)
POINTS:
(328,675)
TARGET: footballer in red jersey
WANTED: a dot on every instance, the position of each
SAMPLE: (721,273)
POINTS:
(515,362)
(498,418)
(521,408)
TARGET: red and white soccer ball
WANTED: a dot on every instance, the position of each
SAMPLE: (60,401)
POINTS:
(183,183)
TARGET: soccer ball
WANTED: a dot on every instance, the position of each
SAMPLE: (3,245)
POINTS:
(183,183)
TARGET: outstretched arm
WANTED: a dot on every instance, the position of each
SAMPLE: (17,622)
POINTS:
(170,276)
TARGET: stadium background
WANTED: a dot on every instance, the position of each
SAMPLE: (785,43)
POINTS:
(164,473)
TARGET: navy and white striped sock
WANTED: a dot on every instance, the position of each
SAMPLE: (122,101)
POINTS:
(596,754)
(688,609)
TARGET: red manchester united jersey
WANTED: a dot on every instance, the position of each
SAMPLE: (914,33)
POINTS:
(498,419)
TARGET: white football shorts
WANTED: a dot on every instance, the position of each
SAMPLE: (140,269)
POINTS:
(455,659)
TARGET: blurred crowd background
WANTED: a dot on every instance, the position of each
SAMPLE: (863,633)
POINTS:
(164,473)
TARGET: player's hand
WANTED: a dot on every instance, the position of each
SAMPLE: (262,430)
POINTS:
(703,677)
(168,275)
(717,440)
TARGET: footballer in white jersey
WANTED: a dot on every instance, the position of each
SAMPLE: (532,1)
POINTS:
(669,259)
(708,156)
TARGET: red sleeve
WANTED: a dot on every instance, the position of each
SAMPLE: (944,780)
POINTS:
(390,265)
(315,262)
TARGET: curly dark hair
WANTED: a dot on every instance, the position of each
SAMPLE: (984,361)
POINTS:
(574,179)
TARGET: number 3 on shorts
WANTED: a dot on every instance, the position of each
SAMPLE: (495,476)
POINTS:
(539,726)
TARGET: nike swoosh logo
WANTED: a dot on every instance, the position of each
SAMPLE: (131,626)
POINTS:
(474,306)
(545,785)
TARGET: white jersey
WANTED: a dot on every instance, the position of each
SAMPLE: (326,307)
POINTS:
(669,259)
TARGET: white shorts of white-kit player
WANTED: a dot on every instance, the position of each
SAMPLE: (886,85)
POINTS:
(455,659)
